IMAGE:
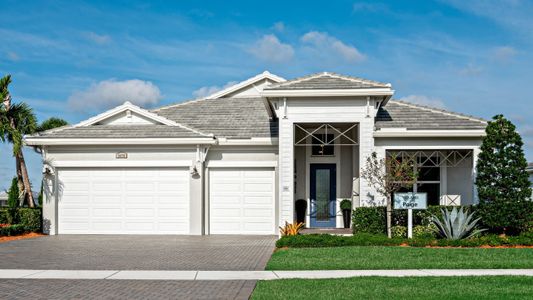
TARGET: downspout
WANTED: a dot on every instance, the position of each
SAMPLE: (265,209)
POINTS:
(201,155)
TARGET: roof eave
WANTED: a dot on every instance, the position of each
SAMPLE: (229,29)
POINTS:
(327,92)
(428,133)
(36,141)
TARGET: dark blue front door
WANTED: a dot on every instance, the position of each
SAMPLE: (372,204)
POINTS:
(323,194)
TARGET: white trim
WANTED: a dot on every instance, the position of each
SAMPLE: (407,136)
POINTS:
(245,83)
(403,132)
(121,163)
(257,141)
(429,147)
(36,141)
(241,164)
(128,106)
(328,92)
(125,107)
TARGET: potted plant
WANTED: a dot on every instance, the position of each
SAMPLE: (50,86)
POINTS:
(346,208)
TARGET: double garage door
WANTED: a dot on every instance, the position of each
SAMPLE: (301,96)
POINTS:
(157,201)
(123,201)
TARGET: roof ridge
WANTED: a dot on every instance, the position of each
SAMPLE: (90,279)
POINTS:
(331,74)
(439,110)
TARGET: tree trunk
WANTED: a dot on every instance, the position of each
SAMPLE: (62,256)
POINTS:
(25,179)
(20,181)
(389,216)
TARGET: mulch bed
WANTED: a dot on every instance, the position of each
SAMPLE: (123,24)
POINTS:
(29,235)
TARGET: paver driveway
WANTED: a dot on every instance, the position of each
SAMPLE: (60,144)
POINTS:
(124,252)
(127,252)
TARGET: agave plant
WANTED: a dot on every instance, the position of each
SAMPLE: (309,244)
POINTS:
(456,224)
(291,229)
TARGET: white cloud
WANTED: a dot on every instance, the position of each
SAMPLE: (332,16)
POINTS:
(471,70)
(13,56)
(269,48)
(503,54)
(99,39)
(325,43)
(209,90)
(279,26)
(110,93)
(424,100)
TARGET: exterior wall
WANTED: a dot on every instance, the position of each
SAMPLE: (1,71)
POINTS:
(125,119)
(319,110)
(454,181)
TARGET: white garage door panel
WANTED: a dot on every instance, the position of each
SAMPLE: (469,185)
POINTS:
(241,201)
(124,201)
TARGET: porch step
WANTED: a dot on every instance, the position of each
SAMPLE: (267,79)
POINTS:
(334,231)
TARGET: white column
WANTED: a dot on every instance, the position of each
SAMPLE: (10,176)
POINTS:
(286,171)
(475,154)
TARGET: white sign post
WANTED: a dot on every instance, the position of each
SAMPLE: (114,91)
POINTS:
(410,201)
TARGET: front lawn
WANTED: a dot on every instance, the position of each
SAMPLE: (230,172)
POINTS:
(359,258)
(490,287)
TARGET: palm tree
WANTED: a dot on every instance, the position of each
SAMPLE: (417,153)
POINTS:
(17,120)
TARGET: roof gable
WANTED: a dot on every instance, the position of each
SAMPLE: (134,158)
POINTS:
(250,87)
(327,80)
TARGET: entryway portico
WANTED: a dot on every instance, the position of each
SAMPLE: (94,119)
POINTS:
(306,108)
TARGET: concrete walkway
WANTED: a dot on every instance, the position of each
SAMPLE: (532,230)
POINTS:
(247,275)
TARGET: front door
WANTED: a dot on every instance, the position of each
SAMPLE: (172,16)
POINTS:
(323,194)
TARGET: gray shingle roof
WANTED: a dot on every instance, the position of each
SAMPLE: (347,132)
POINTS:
(327,80)
(224,117)
(123,131)
(399,114)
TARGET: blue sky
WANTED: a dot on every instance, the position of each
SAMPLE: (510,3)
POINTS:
(73,59)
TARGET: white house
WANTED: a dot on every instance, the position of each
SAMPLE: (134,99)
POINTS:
(235,162)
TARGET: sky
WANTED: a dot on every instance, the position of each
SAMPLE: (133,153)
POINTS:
(74,59)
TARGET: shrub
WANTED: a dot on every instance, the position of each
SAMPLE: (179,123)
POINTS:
(369,220)
(399,231)
(365,239)
(372,219)
(424,231)
(346,204)
(502,180)
(12,230)
(290,229)
(13,195)
(30,218)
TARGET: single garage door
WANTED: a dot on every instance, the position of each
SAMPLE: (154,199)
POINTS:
(123,201)
(241,201)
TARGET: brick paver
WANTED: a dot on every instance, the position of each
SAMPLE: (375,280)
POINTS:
(124,289)
(126,252)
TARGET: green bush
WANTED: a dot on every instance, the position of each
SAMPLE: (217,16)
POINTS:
(373,219)
(369,220)
(346,204)
(12,230)
(30,218)
(365,239)
(424,231)
(399,231)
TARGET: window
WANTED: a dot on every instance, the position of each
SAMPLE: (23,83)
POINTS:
(428,180)
(319,145)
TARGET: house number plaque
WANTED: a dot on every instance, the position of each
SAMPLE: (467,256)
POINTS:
(121,155)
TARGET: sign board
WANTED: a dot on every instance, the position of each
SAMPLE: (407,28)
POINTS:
(121,155)
(410,201)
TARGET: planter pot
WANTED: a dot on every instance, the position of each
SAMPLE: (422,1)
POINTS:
(347,217)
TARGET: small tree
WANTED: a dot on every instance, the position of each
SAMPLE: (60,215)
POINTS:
(502,180)
(388,175)
(13,195)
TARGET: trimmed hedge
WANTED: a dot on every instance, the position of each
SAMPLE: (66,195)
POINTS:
(364,239)
(30,219)
(373,219)
(12,230)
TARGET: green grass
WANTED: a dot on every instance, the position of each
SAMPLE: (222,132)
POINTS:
(359,258)
(489,287)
